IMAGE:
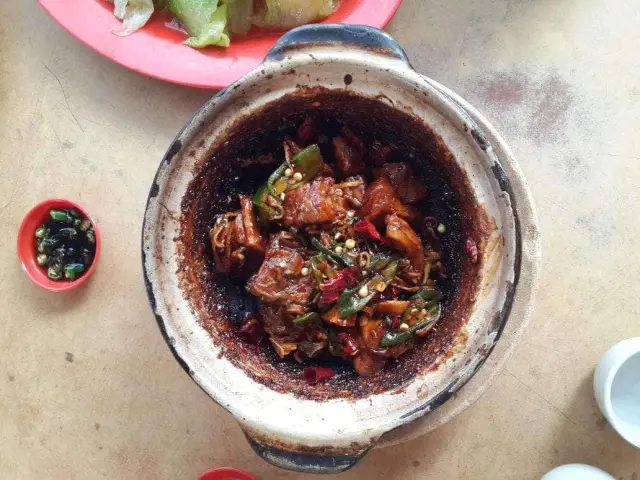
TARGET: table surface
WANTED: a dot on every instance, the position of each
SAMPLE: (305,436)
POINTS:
(88,388)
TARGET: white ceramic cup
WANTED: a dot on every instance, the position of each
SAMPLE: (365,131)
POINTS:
(617,388)
(577,471)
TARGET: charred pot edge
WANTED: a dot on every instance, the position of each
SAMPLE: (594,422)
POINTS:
(303,459)
(368,38)
(500,319)
(173,150)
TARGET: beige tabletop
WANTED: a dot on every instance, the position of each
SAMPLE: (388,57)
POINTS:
(88,387)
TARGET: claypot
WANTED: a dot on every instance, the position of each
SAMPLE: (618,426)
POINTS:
(361,77)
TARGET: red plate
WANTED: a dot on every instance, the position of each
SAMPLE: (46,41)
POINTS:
(226,474)
(157,51)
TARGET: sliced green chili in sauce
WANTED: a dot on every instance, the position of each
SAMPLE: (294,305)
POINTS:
(391,339)
(65,244)
(342,259)
(307,319)
(307,162)
(351,302)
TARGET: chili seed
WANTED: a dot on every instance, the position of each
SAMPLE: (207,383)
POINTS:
(442,228)
(339,249)
(350,244)
(304,271)
(363,292)
(282,196)
(297,177)
(288,172)
(351,213)
(404,327)
(282,264)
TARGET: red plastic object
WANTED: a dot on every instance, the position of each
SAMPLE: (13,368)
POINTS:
(27,245)
(157,51)
(226,474)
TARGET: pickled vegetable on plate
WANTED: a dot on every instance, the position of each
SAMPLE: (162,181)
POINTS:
(213,22)
(287,14)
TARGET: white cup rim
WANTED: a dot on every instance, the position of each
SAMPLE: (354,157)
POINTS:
(612,417)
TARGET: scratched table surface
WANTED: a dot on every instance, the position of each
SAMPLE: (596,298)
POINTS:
(88,388)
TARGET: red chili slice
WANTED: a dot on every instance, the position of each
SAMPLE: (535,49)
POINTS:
(332,290)
(471,249)
(334,287)
(395,323)
(350,276)
(307,130)
(367,228)
(313,375)
(251,330)
(349,345)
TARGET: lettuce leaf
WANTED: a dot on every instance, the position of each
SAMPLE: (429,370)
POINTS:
(133,13)
(240,15)
(205,21)
(286,14)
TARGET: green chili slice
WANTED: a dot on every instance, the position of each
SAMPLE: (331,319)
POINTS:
(265,212)
(342,259)
(390,271)
(61,216)
(71,270)
(273,178)
(350,302)
(308,163)
(391,339)
(307,319)
(427,294)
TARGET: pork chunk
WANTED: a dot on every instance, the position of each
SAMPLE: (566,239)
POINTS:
(380,200)
(408,187)
(313,203)
(279,279)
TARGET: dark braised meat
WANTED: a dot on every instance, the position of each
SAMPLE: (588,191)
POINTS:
(279,279)
(236,239)
(349,151)
(314,203)
(408,187)
(343,274)
(381,200)
(404,239)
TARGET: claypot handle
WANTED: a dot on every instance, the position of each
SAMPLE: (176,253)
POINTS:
(304,462)
(371,39)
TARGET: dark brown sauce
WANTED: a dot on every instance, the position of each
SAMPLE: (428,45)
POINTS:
(221,302)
